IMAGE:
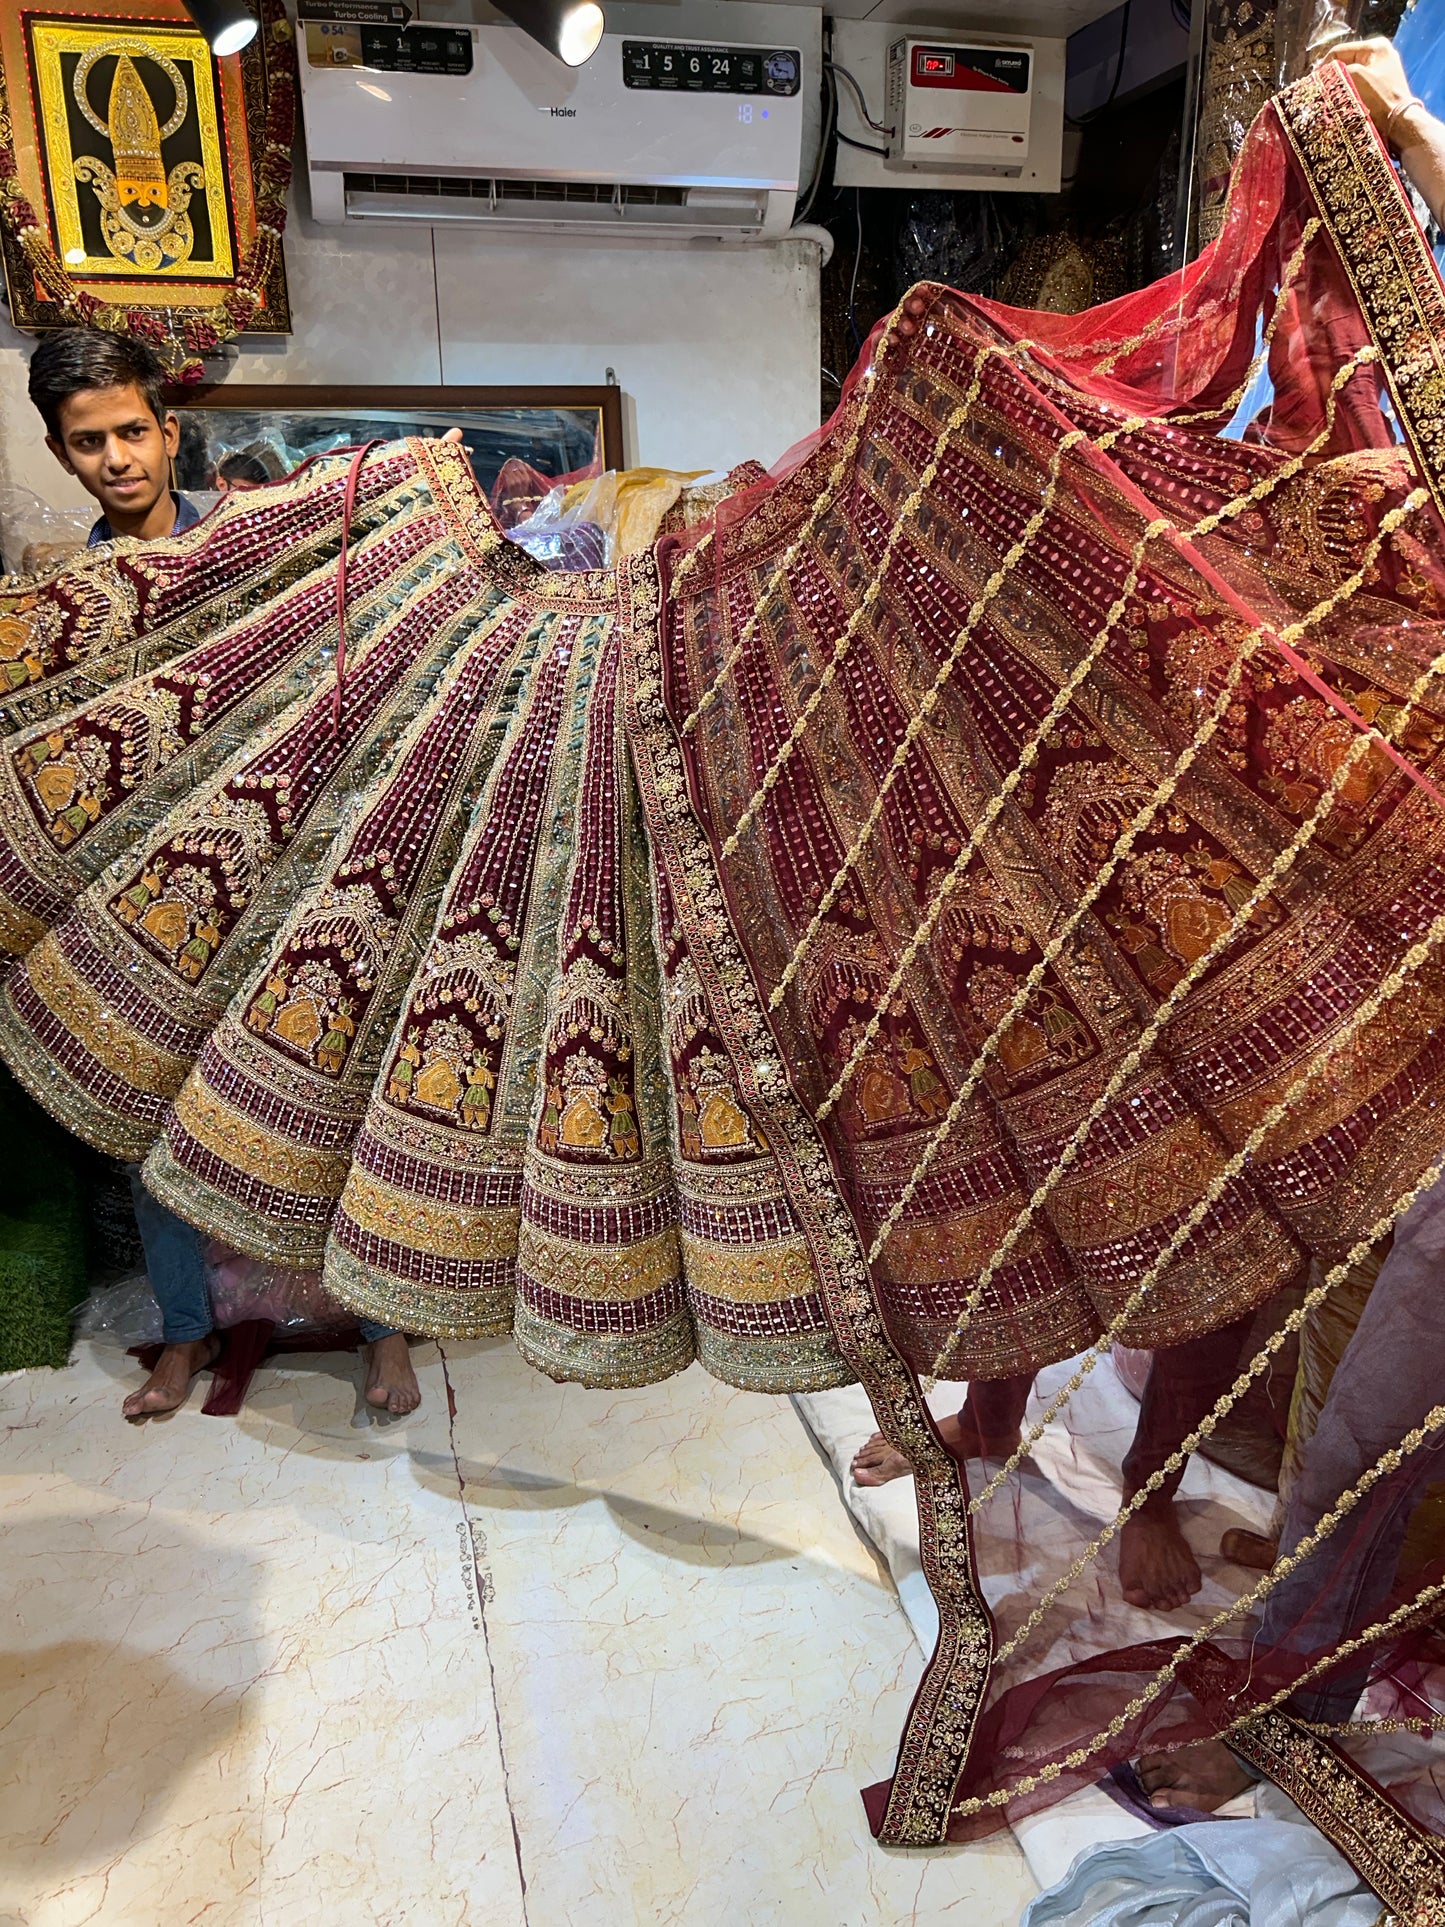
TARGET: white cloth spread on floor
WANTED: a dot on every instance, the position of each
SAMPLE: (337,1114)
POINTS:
(1075,1465)
(1239,1873)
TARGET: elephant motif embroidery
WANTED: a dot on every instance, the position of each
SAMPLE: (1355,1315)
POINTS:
(721,1123)
(175,908)
(896,1078)
(20,657)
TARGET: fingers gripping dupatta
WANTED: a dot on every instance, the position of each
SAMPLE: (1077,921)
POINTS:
(977,901)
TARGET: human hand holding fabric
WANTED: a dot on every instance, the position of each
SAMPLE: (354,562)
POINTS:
(1401,117)
(1379,74)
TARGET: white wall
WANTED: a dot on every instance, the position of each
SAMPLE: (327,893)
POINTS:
(716,349)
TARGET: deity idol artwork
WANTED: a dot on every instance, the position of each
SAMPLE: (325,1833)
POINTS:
(143,179)
(971,901)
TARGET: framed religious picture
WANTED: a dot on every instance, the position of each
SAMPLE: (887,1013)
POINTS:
(518,439)
(142,180)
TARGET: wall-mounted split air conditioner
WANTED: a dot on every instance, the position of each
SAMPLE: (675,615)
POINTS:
(679,135)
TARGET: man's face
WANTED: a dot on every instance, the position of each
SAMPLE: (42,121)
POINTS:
(120,453)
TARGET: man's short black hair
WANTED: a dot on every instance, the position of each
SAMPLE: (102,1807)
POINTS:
(73,361)
(257,462)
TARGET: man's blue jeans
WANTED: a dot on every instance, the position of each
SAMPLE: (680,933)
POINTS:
(176,1265)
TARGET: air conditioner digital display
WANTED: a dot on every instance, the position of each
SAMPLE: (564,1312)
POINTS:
(389,50)
(417,50)
(664,67)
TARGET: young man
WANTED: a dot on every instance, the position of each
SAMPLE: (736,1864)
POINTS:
(100,396)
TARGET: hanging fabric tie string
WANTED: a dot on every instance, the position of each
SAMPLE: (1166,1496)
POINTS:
(348,509)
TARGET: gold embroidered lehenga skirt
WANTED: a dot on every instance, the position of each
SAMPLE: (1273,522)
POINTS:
(975,899)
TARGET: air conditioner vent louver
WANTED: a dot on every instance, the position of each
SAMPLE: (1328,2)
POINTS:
(602,206)
(488,189)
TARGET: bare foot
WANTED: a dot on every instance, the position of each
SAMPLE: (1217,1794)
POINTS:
(1205,1777)
(877,1462)
(1156,1568)
(390,1381)
(1252,1549)
(168,1385)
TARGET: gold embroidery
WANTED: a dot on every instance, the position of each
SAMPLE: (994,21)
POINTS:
(19,931)
(1401,1860)
(251,1148)
(477,1232)
(66,772)
(1135,1057)
(20,657)
(112,1042)
(446,1312)
(1248,646)
(750,1277)
(1382,250)
(591,1271)
(709,1116)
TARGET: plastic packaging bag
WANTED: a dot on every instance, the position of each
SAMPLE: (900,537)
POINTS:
(244,1288)
(124,1314)
(589,523)
(559,538)
(34,535)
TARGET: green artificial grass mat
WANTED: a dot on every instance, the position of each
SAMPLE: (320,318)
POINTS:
(42,1233)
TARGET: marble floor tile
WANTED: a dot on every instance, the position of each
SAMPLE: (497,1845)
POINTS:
(241,1680)
(567,1659)
(699,1662)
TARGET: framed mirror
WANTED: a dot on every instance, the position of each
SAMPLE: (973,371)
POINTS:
(236,436)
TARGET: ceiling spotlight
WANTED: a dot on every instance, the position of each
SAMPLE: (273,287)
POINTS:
(570,29)
(229,25)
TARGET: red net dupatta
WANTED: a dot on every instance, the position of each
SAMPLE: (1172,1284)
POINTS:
(1044,765)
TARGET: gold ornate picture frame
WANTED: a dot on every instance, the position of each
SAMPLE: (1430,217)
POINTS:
(143,180)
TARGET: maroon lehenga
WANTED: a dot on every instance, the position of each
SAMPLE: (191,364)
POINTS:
(974,900)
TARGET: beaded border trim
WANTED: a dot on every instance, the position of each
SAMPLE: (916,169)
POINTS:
(1381,248)
(1394,1853)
